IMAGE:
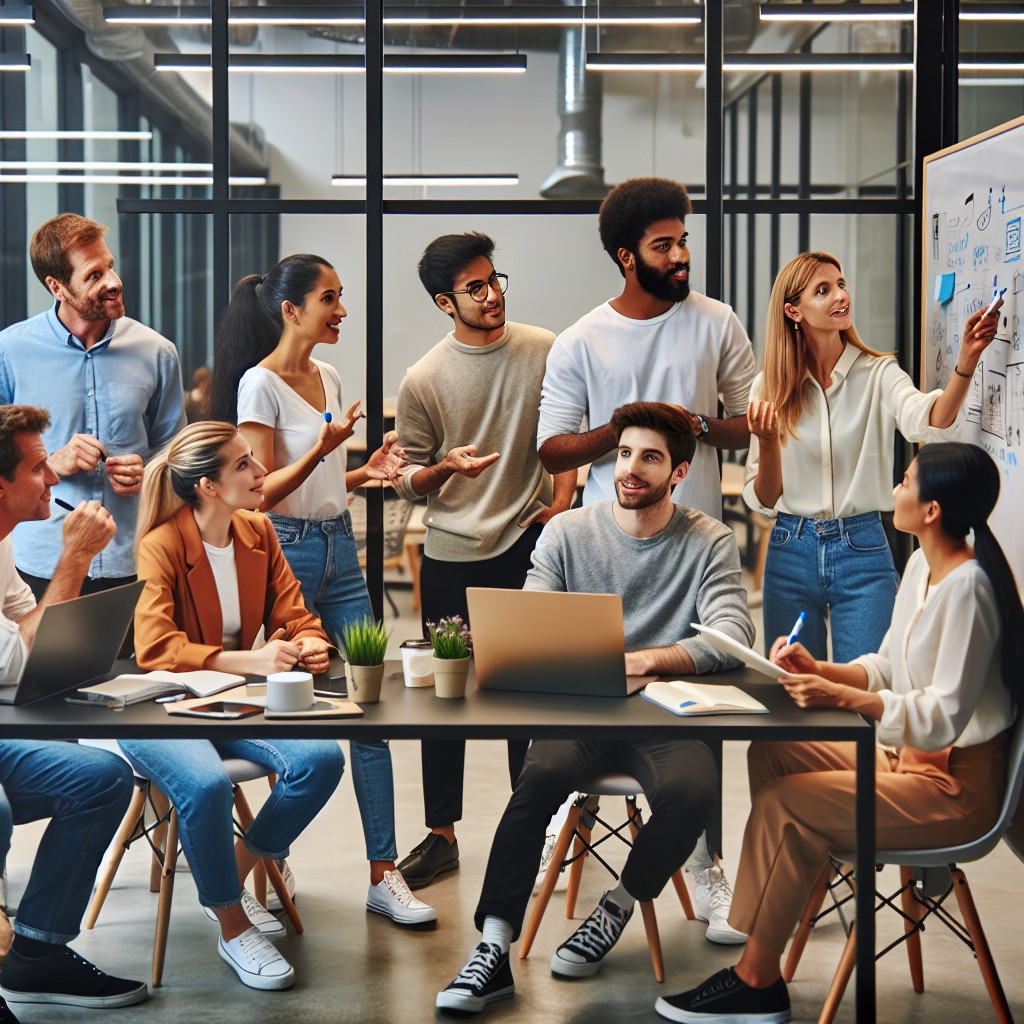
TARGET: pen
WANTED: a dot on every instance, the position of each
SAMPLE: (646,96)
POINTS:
(172,698)
(797,626)
(992,305)
(64,504)
(327,419)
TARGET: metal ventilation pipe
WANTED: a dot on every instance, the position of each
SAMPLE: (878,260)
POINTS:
(579,172)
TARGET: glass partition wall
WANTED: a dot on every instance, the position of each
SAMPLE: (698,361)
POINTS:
(216,137)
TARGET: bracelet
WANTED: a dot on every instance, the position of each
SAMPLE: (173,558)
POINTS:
(966,376)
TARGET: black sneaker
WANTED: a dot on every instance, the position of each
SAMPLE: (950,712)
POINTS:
(6,1013)
(65,977)
(433,857)
(725,999)
(485,978)
(582,954)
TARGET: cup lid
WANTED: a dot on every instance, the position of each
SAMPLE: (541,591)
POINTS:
(419,644)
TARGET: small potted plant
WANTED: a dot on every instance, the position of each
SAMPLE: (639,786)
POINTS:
(452,643)
(365,644)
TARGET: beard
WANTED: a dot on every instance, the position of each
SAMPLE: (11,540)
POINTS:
(95,308)
(475,317)
(653,494)
(660,285)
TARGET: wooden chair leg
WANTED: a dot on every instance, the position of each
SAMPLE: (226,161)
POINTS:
(973,924)
(841,979)
(272,873)
(803,933)
(129,830)
(636,822)
(913,909)
(161,807)
(163,913)
(548,886)
(580,852)
(683,893)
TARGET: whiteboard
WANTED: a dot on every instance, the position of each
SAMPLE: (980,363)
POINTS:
(973,202)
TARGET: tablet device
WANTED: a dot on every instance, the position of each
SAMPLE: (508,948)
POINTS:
(725,644)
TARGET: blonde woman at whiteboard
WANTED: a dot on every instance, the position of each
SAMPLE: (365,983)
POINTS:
(822,418)
(944,689)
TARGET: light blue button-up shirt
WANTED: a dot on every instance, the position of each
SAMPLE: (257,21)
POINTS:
(125,390)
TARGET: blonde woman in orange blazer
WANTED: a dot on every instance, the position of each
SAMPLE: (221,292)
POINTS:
(214,576)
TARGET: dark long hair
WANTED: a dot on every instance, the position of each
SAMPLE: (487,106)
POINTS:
(252,325)
(964,480)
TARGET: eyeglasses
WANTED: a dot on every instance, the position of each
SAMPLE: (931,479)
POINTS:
(478,290)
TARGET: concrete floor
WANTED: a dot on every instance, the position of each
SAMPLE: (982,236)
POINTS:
(357,966)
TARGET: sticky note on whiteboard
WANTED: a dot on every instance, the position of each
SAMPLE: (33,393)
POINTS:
(944,285)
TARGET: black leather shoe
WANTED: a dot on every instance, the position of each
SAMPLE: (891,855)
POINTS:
(434,856)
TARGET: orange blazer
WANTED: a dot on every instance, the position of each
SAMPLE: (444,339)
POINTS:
(178,623)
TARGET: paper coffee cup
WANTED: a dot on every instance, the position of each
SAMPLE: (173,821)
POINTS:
(290,691)
(417,662)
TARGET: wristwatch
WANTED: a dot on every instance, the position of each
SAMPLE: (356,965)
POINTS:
(704,427)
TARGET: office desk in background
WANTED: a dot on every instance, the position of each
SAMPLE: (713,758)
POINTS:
(406,713)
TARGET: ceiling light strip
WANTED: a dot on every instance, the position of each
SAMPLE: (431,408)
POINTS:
(31,136)
(441,180)
(117,179)
(10,61)
(837,12)
(447,63)
(12,17)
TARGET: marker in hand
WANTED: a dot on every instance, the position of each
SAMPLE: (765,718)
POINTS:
(64,504)
(327,419)
(992,305)
(797,626)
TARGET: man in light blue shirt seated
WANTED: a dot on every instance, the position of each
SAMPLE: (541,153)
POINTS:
(113,388)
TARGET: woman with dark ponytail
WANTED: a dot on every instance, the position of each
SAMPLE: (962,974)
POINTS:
(288,406)
(944,688)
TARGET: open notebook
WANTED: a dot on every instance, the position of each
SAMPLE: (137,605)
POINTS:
(682,697)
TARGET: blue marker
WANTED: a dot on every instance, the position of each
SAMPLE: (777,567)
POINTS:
(997,295)
(797,626)
(327,419)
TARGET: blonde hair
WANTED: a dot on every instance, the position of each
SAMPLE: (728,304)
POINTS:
(785,350)
(170,480)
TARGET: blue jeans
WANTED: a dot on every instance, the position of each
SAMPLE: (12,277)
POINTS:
(838,571)
(192,774)
(322,554)
(85,793)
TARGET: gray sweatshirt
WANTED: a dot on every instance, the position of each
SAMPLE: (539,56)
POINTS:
(488,396)
(690,572)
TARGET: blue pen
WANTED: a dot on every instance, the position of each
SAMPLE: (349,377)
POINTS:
(797,626)
(687,704)
(327,419)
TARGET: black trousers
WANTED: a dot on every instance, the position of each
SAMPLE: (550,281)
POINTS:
(443,594)
(678,777)
(38,587)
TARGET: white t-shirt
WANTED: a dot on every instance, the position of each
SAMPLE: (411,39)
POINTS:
(265,398)
(840,463)
(225,574)
(18,601)
(689,356)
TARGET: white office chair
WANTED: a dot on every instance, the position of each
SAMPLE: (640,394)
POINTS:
(927,877)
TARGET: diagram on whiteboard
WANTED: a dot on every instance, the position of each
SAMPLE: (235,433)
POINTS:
(972,241)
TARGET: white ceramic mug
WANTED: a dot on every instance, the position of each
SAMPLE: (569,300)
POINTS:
(290,691)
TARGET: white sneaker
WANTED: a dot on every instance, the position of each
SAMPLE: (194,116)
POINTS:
(256,962)
(562,882)
(258,916)
(712,900)
(274,904)
(393,898)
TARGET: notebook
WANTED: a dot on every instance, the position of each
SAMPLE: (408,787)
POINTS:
(725,644)
(685,698)
(544,641)
(76,641)
(134,689)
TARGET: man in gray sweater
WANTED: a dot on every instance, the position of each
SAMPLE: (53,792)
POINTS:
(672,566)
(476,391)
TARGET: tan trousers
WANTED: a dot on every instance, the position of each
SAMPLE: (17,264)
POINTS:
(803,798)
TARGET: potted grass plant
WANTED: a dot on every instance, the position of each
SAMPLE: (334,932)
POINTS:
(452,643)
(365,642)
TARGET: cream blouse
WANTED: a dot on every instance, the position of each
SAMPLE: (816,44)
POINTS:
(938,669)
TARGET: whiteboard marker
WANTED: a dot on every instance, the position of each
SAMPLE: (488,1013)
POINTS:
(992,304)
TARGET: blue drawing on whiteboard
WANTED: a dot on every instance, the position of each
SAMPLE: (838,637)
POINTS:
(1013,240)
(986,215)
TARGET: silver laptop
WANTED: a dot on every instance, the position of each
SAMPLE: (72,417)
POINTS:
(544,641)
(76,641)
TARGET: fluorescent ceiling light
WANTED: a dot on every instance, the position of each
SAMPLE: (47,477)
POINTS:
(11,17)
(992,12)
(101,165)
(172,14)
(836,12)
(357,180)
(116,179)
(991,62)
(522,15)
(446,63)
(15,61)
(84,135)
(294,63)
(817,62)
(645,62)
(991,81)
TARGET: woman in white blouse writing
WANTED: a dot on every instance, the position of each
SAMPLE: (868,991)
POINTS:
(823,416)
(943,689)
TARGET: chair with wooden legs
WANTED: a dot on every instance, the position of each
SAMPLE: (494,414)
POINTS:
(578,831)
(927,878)
(162,837)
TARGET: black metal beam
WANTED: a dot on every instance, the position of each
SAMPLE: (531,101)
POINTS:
(714,157)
